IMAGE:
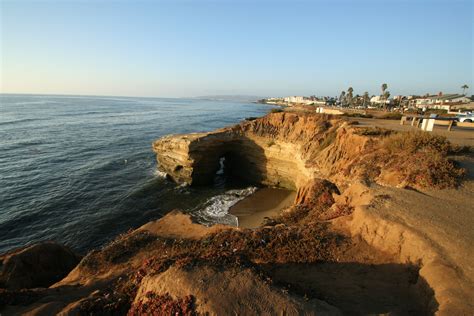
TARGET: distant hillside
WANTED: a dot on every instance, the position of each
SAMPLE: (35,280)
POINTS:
(241,98)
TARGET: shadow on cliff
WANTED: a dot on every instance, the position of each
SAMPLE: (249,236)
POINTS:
(244,163)
(357,288)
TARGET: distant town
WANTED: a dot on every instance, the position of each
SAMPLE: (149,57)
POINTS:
(347,99)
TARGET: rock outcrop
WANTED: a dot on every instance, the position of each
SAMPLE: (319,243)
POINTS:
(231,291)
(329,252)
(273,150)
(290,150)
(40,265)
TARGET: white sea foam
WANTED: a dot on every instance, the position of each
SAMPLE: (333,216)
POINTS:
(216,209)
(159,174)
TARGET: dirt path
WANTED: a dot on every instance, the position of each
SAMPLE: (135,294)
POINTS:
(460,136)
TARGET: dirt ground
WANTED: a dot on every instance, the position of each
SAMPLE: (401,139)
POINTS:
(446,217)
(458,135)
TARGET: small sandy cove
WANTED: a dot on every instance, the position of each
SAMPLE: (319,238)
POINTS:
(266,202)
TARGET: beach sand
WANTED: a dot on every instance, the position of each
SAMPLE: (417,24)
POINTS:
(266,202)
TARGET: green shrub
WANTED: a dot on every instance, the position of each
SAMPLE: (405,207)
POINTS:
(373,131)
(278,110)
(413,142)
(355,114)
(392,116)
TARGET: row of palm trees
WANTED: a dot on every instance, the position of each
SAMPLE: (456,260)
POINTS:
(347,98)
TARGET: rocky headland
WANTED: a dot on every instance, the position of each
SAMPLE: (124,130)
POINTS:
(380,224)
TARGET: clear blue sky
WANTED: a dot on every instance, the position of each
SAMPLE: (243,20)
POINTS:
(190,48)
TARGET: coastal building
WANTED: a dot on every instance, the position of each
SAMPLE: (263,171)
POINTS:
(294,99)
(440,101)
(378,100)
(303,100)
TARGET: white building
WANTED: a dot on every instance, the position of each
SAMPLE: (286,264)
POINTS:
(379,100)
(441,101)
(299,100)
(294,99)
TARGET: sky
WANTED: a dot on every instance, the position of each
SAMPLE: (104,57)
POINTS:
(264,48)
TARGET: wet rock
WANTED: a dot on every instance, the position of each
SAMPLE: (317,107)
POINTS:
(39,265)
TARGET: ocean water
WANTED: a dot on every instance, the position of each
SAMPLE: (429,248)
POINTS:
(80,170)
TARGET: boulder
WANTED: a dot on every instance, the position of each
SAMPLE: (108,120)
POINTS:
(39,265)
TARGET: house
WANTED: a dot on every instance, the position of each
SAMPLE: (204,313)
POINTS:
(294,99)
(440,101)
(377,100)
(299,99)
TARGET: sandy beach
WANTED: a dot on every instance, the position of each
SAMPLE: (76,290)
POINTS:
(266,202)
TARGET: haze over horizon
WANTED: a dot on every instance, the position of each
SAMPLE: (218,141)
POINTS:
(263,48)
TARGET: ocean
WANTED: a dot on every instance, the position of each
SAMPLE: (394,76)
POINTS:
(80,170)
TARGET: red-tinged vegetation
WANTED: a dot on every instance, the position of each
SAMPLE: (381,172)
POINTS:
(241,248)
(159,305)
(312,202)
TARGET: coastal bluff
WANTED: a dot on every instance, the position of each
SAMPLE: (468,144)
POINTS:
(268,151)
(285,150)
(367,233)
(290,150)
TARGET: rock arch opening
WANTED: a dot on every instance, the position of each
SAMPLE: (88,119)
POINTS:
(234,167)
(246,161)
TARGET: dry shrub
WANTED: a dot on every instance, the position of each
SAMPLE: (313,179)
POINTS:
(460,150)
(118,251)
(373,131)
(414,142)
(108,302)
(230,247)
(311,202)
(428,169)
(392,116)
(164,305)
(418,159)
(421,159)
(356,114)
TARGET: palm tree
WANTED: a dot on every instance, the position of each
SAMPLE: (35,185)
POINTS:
(384,87)
(464,88)
(382,96)
(341,97)
(349,96)
(365,97)
(386,95)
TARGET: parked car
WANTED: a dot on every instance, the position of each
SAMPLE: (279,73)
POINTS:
(468,118)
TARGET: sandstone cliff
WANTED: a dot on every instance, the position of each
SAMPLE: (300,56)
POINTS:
(345,246)
(290,150)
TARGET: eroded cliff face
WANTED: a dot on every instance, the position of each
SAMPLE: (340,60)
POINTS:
(280,149)
(290,150)
(337,243)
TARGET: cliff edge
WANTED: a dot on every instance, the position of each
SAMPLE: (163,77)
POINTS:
(358,238)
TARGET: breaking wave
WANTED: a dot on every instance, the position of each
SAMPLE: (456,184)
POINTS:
(216,209)
(159,174)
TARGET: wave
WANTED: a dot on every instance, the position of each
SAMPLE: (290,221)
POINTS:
(20,121)
(216,209)
(35,102)
(159,174)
